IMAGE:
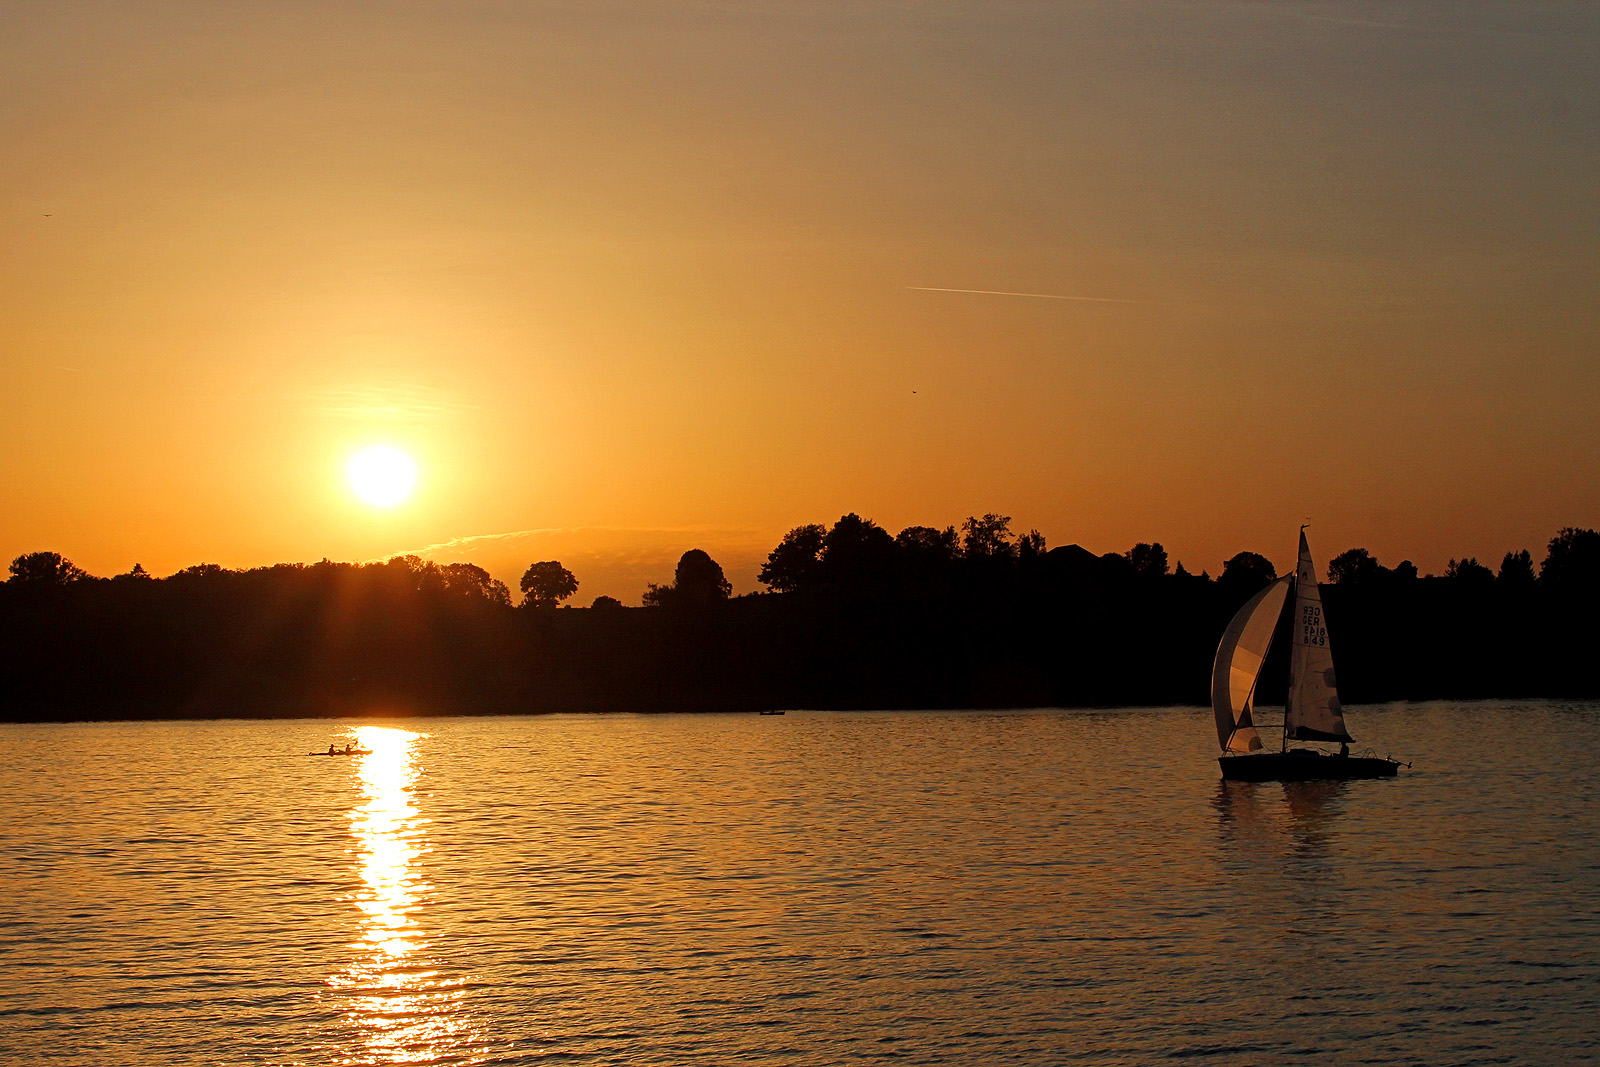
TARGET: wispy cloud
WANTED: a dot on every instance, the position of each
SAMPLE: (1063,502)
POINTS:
(474,542)
(1034,296)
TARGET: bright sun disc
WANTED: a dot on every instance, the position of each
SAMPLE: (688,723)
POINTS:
(382,476)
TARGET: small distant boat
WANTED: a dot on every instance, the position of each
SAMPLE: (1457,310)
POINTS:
(772,713)
(1311,709)
(346,751)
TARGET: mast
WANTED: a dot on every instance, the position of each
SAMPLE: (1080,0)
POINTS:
(1294,660)
(1288,694)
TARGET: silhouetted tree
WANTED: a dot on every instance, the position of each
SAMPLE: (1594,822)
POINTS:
(1148,561)
(1469,570)
(412,572)
(606,603)
(45,568)
(1516,570)
(856,551)
(793,564)
(1353,566)
(942,631)
(700,576)
(988,537)
(697,580)
(546,584)
(471,580)
(137,574)
(205,570)
(1405,571)
(1030,546)
(924,544)
(1573,559)
(1249,571)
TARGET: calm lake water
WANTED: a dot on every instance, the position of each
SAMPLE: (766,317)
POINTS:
(1038,887)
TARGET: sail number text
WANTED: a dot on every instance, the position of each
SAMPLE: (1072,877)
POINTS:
(1313,632)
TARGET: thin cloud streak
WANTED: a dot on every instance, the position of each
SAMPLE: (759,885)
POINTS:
(476,540)
(1035,296)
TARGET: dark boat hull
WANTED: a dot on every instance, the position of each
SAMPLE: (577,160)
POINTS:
(1303,766)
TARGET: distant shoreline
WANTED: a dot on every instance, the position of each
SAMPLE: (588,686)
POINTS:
(918,622)
(387,716)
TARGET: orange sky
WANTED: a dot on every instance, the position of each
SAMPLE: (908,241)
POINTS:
(630,278)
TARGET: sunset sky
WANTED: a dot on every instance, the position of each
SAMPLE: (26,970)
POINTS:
(630,278)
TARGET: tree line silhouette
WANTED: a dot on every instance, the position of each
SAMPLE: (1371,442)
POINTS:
(853,616)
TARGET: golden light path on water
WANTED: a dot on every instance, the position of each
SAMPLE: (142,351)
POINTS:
(399,1008)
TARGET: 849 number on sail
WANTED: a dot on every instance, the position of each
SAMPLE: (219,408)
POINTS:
(1313,632)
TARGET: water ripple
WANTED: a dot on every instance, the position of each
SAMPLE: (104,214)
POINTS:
(941,888)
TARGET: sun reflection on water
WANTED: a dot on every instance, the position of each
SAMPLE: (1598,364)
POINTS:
(397,1002)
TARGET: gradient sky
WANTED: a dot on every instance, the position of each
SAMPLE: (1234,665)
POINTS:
(630,278)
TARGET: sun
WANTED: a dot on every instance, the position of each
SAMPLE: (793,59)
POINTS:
(381,476)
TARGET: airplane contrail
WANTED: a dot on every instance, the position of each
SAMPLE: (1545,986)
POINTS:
(1036,296)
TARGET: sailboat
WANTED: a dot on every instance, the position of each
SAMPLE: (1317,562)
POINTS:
(1311,709)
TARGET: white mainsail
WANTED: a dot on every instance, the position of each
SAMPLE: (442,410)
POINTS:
(1239,658)
(1312,711)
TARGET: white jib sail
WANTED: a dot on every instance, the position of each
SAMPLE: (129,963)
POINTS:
(1312,711)
(1239,658)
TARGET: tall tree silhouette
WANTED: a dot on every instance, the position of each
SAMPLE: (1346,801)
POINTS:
(987,537)
(794,563)
(45,568)
(856,552)
(1516,570)
(1469,570)
(1148,560)
(1573,560)
(471,580)
(927,544)
(698,580)
(1249,570)
(1353,566)
(546,584)
(1030,547)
